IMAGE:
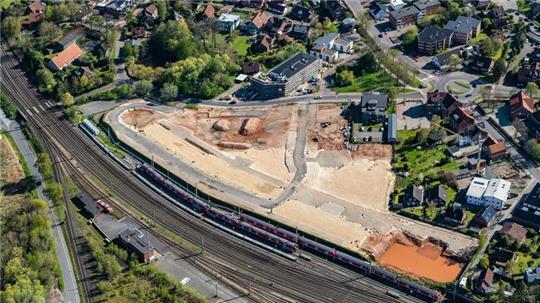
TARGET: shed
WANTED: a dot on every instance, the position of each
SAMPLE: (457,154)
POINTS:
(392,129)
(88,207)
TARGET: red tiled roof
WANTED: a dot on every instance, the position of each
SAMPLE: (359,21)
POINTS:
(151,9)
(209,11)
(497,148)
(33,18)
(260,19)
(36,7)
(68,55)
(522,100)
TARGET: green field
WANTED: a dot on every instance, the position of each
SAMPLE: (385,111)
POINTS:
(240,45)
(370,82)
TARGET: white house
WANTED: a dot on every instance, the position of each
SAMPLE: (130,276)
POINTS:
(329,46)
(228,22)
(485,192)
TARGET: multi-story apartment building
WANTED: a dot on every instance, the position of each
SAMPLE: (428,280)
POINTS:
(403,17)
(427,7)
(434,38)
(464,28)
(485,192)
(286,77)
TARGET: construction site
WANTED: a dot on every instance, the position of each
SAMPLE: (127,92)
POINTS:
(292,164)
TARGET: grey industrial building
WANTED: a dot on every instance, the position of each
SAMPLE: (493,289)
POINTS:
(286,77)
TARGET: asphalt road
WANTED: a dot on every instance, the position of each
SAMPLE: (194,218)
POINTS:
(71,291)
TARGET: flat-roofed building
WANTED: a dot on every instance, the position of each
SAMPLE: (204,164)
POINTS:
(139,243)
(485,192)
(464,28)
(528,210)
(476,191)
(286,77)
(434,38)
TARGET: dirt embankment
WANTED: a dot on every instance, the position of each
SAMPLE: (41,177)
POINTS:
(140,117)
(422,258)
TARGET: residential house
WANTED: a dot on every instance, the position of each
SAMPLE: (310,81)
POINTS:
(140,243)
(348,25)
(485,192)
(151,11)
(441,103)
(484,284)
(277,7)
(443,62)
(485,216)
(328,47)
(32,19)
(257,23)
(69,38)
(65,57)
(414,196)
(437,194)
(86,72)
(521,106)
(496,151)
(299,31)
(454,216)
(427,7)
(262,45)
(529,72)
(250,68)
(334,9)
(138,32)
(377,10)
(36,7)
(497,16)
(481,65)
(433,39)
(461,120)
(532,276)
(300,13)
(373,108)
(514,231)
(528,210)
(228,22)
(276,25)
(209,13)
(501,256)
(465,28)
(286,77)
(116,8)
(403,17)
(256,4)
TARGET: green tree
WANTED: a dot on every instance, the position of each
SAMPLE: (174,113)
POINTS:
(143,88)
(410,37)
(484,262)
(422,136)
(344,78)
(54,191)
(454,10)
(532,147)
(67,100)
(96,21)
(454,62)
(11,27)
(168,92)
(45,80)
(162,10)
(499,69)
(49,31)
(111,36)
(532,89)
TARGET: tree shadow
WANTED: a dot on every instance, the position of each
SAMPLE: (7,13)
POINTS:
(22,186)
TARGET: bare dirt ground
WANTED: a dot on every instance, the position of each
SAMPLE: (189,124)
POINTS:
(12,170)
(343,196)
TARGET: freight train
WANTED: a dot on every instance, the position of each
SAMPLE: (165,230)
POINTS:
(285,239)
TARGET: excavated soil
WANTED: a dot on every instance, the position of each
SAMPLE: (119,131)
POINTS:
(140,117)
(416,257)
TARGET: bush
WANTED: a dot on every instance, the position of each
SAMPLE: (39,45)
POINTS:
(7,106)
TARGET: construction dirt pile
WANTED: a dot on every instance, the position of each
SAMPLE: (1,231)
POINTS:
(250,126)
(234,145)
(221,125)
(422,258)
(373,151)
(140,117)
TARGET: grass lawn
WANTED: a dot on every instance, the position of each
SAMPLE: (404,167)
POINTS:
(370,82)
(240,45)
(521,259)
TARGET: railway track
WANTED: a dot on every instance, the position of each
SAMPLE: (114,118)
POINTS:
(267,277)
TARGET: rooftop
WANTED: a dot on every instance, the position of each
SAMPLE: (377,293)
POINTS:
(323,41)
(229,18)
(433,34)
(478,187)
(375,99)
(136,239)
(463,24)
(423,4)
(403,12)
(498,188)
(291,66)
(66,56)
(515,231)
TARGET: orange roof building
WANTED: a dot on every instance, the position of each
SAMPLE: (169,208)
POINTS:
(65,57)
(521,105)
(496,151)
(36,7)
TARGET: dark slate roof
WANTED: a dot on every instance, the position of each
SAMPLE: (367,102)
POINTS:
(433,34)
(423,4)
(487,213)
(375,99)
(89,205)
(291,66)
(463,24)
(529,208)
(403,12)
(300,29)
(438,192)
(300,12)
(138,240)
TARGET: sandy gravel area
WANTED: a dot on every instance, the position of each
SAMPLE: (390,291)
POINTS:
(11,169)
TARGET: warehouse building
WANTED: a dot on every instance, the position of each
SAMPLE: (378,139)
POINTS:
(139,243)
(286,77)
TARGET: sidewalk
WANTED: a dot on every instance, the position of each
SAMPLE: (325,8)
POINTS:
(71,291)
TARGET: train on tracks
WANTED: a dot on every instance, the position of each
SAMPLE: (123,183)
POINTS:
(285,239)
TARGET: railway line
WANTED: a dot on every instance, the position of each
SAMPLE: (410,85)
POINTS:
(267,277)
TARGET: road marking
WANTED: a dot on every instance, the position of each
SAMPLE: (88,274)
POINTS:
(29,112)
(35,109)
